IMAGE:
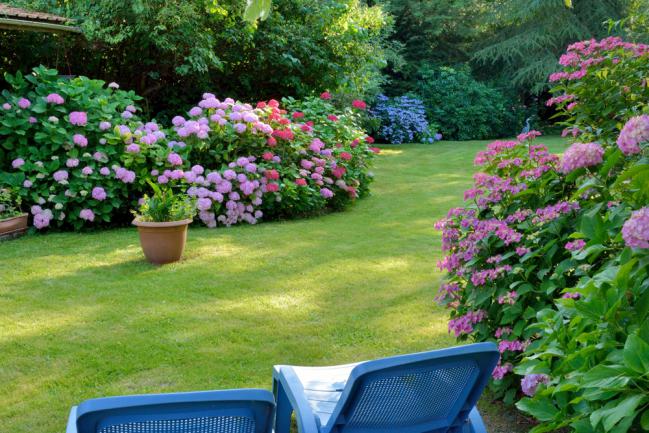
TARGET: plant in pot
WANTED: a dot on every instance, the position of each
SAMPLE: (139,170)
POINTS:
(162,221)
(13,222)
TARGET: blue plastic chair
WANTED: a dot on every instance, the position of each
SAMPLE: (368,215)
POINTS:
(429,392)
(230,411)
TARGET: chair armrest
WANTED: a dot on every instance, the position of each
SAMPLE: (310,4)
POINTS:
(477,425)
(72,421)
(289,383)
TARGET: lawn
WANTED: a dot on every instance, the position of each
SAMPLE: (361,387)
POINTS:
(82,315)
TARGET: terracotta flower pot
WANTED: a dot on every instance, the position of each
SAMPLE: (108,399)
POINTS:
(162,242)
(14,226)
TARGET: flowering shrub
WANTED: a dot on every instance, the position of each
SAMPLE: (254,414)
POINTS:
(551,260)
(402,119)
(95,157)
(52,135)
(9,204)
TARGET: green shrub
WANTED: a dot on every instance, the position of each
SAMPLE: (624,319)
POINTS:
(465,108)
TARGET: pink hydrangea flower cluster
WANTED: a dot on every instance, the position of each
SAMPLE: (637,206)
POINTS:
(634,133)
(87,214)
(581,155)
(635,230)
(448,292)
(78,118)
(576,245)
(42,217)
(512,346)
(501,370)
(530,383)
(508,298)
(228,197)
(502,331)
(464,324)
(559,99)
(552,212)
(581,55)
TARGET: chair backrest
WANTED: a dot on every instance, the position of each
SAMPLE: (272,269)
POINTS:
(418,393)
(230,411)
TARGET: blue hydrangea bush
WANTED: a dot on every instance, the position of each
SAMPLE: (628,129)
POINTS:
(402,119)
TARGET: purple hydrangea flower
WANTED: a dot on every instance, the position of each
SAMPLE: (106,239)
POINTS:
(133,148)
(87,214)
(17,163)
(27,183)
(98,193)
(87,170)
(575,245)
(195,111)
(55,98)
(104,171)
(127,115)
(581,155)
(635,230)
(174,159)
(104,125)
(72,162)
(113,85)
(326,193)
(60,175)
(531,381)
(78,118)
(80,140)
(24,103)
(634,132)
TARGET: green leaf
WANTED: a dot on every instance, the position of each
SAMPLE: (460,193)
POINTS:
(256,9)
(644,420)
(636,354)
(614,411)
(540,408)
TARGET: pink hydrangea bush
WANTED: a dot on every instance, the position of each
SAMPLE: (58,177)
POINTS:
(241,162)
(70,175)
(570,318)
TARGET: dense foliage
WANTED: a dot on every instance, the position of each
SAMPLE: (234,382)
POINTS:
(80,155)
(9,203)
(465,108)
(549,259)
(165,206)
(183,47)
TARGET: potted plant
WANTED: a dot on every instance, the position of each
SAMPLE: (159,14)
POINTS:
(162,221)
(13,222)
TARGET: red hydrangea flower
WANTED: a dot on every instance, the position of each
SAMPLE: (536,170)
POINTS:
(357,103)
(325,95)
(332,117)
(369,139)
(298,115)
(346,156)
(271,174)
(272,187)
(300,182)
(268,155)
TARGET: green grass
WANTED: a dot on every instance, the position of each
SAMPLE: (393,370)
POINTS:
(82,315)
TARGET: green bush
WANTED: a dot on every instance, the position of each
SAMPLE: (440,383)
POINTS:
(183,48)
(467,109)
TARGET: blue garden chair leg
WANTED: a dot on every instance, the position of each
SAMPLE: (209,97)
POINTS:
(283,409)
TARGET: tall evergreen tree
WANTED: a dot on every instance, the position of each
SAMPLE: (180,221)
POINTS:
(526,37)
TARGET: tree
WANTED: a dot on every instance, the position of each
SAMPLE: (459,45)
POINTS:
(524,38)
